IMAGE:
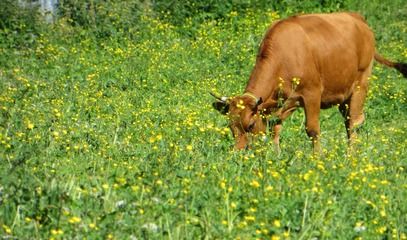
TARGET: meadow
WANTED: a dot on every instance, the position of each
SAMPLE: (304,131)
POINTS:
(115,137)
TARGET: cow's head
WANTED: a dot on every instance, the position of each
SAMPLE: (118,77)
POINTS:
(244,116)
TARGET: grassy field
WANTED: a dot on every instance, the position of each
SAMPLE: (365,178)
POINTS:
(117,139)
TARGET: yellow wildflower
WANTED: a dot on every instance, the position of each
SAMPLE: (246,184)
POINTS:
(255,184)
(74,220)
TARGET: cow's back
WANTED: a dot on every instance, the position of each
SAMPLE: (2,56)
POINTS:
(332,35)
(327,51)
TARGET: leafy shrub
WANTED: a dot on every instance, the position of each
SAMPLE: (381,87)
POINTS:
(103,18)
(108,18)
(179,10)
(19,23)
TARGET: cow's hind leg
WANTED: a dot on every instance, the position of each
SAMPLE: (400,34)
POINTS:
(352,110)
(344,109)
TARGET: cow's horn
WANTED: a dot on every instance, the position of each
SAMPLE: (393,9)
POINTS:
(221,99)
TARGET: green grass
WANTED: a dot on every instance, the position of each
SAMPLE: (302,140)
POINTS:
(117,139)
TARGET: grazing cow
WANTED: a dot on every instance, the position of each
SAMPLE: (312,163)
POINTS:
(312,61)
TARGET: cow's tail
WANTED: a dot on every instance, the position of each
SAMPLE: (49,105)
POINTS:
(401,67)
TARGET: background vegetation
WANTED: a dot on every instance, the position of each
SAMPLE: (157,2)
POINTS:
(107,131)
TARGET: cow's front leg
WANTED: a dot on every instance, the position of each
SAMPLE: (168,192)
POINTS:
(312,109)
(276,130)
(290,105)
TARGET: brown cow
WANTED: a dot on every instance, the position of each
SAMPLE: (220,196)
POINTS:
(312,61)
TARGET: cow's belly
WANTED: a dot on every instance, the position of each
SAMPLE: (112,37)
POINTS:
(338,94)
(332,100)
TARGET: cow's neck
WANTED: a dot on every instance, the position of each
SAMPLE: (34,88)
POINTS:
(262,82)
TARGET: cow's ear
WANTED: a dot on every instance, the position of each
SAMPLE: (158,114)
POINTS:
(222,107)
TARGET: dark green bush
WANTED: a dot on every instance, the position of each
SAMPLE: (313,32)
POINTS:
(19,23)
(101,17)
(178,10)
(109,18)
